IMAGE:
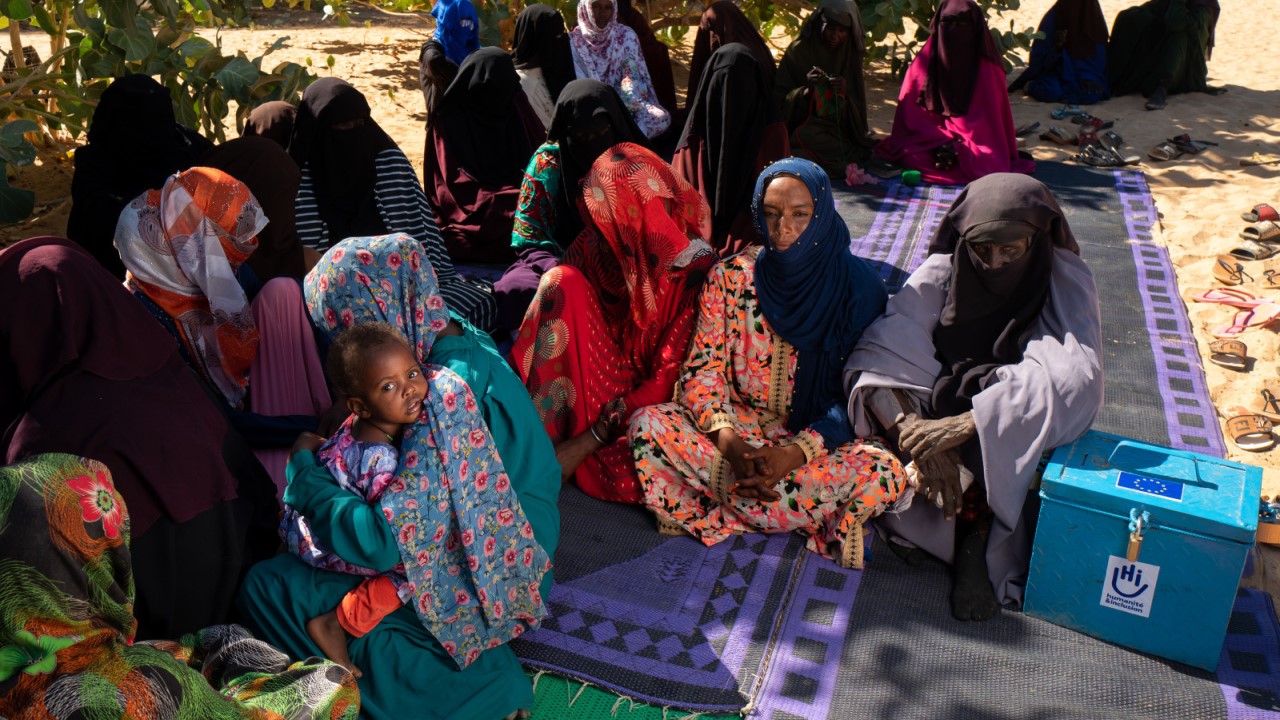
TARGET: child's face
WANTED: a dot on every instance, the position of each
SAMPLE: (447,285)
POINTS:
(393,386)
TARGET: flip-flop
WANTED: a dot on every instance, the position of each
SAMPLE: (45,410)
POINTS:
(1194,147)
(1027,129)
(1247,319)
(1164,151)
(1267,403)
(1230,354)
(1249,431)
(1262,231)
(1059,135)
(1067,111)
(1235,297)
(1228,271)
(1271,279)
(1114,143)
(1260,213)
(1082,119)
(1254,250)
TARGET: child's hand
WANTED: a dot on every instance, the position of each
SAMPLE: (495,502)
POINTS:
(306,441)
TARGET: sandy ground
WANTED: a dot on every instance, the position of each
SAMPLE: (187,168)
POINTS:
(1200,197)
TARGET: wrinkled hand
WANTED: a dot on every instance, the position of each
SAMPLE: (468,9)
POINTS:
(772,464)
(306,441)
(940,476)
(923,439)
(815,75)
(837,84)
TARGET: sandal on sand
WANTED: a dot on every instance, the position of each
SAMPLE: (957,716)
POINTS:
(1193,147)
(1231,354)
(1027,129)
(1114,143)
(1254,250)
(1260,213)
(1067,111)
(1235,297)
(1059,135)
(1082,119)
(1271,279)
(1228,271)
(1247,319)
(1268,402)
(1249,431)
(1164,151)
(1262,231)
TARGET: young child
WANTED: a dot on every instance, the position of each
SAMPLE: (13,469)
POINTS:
(374,367)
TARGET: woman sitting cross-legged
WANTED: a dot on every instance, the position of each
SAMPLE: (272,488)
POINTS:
(474,453)
(356,181)
(730,110)
(1069,63)
(608,328)
(1163,47)
(989,356)
(589,119)
(953,122)
(479,142)
(758,439)
(68,629)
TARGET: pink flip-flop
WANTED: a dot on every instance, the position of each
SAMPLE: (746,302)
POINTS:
(1235,297)
(1248,318)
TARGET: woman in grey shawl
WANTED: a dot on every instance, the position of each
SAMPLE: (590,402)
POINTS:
(988,356)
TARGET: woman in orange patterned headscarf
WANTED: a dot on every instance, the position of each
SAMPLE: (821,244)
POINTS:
(609,327)
(183,246)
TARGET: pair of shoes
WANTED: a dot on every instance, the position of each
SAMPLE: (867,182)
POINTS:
(1261,241)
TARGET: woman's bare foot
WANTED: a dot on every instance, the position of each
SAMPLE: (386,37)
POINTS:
(518,715)
(329,635)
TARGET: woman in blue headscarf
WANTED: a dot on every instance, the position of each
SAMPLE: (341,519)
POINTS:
(758,439)
(457,28)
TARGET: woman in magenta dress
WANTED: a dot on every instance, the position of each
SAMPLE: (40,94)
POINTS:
(953,122)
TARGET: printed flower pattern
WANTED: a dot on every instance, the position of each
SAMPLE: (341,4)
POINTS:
(98,502)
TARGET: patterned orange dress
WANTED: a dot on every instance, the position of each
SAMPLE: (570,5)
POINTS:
(740,374)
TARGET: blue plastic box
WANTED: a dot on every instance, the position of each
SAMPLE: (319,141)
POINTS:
(1142,545)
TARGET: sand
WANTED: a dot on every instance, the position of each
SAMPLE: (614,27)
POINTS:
(1200,197)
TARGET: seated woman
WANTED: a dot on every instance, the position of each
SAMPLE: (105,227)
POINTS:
(757,440)
(542,57)
(435,73)
(405,665)
(270,174)
(134,145)
(357,181)
(657,56)
(478,144)
(273,121)
(589,119)
(989,356)
(182,246)
(1069,62)
(605,335)
(608,51)
(69,625)
(731,110)
(1163,47)
(953,122)
(85,370)
(723,23)
(457,28)
(821,91)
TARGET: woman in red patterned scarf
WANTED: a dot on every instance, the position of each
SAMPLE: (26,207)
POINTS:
(609,327)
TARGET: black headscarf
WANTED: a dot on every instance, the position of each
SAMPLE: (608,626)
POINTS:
(541,41)
(273,121)
(961,40)
(435,73)
(270,174)
(1085,25)
(986,311)
(809,51)
(730,111)
(723,23)
(481,125)
(341,162)
(135,144)
(585,106)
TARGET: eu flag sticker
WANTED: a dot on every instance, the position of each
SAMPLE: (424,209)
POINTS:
(1167,489)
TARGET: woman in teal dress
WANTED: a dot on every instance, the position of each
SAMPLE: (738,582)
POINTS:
(407,671)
